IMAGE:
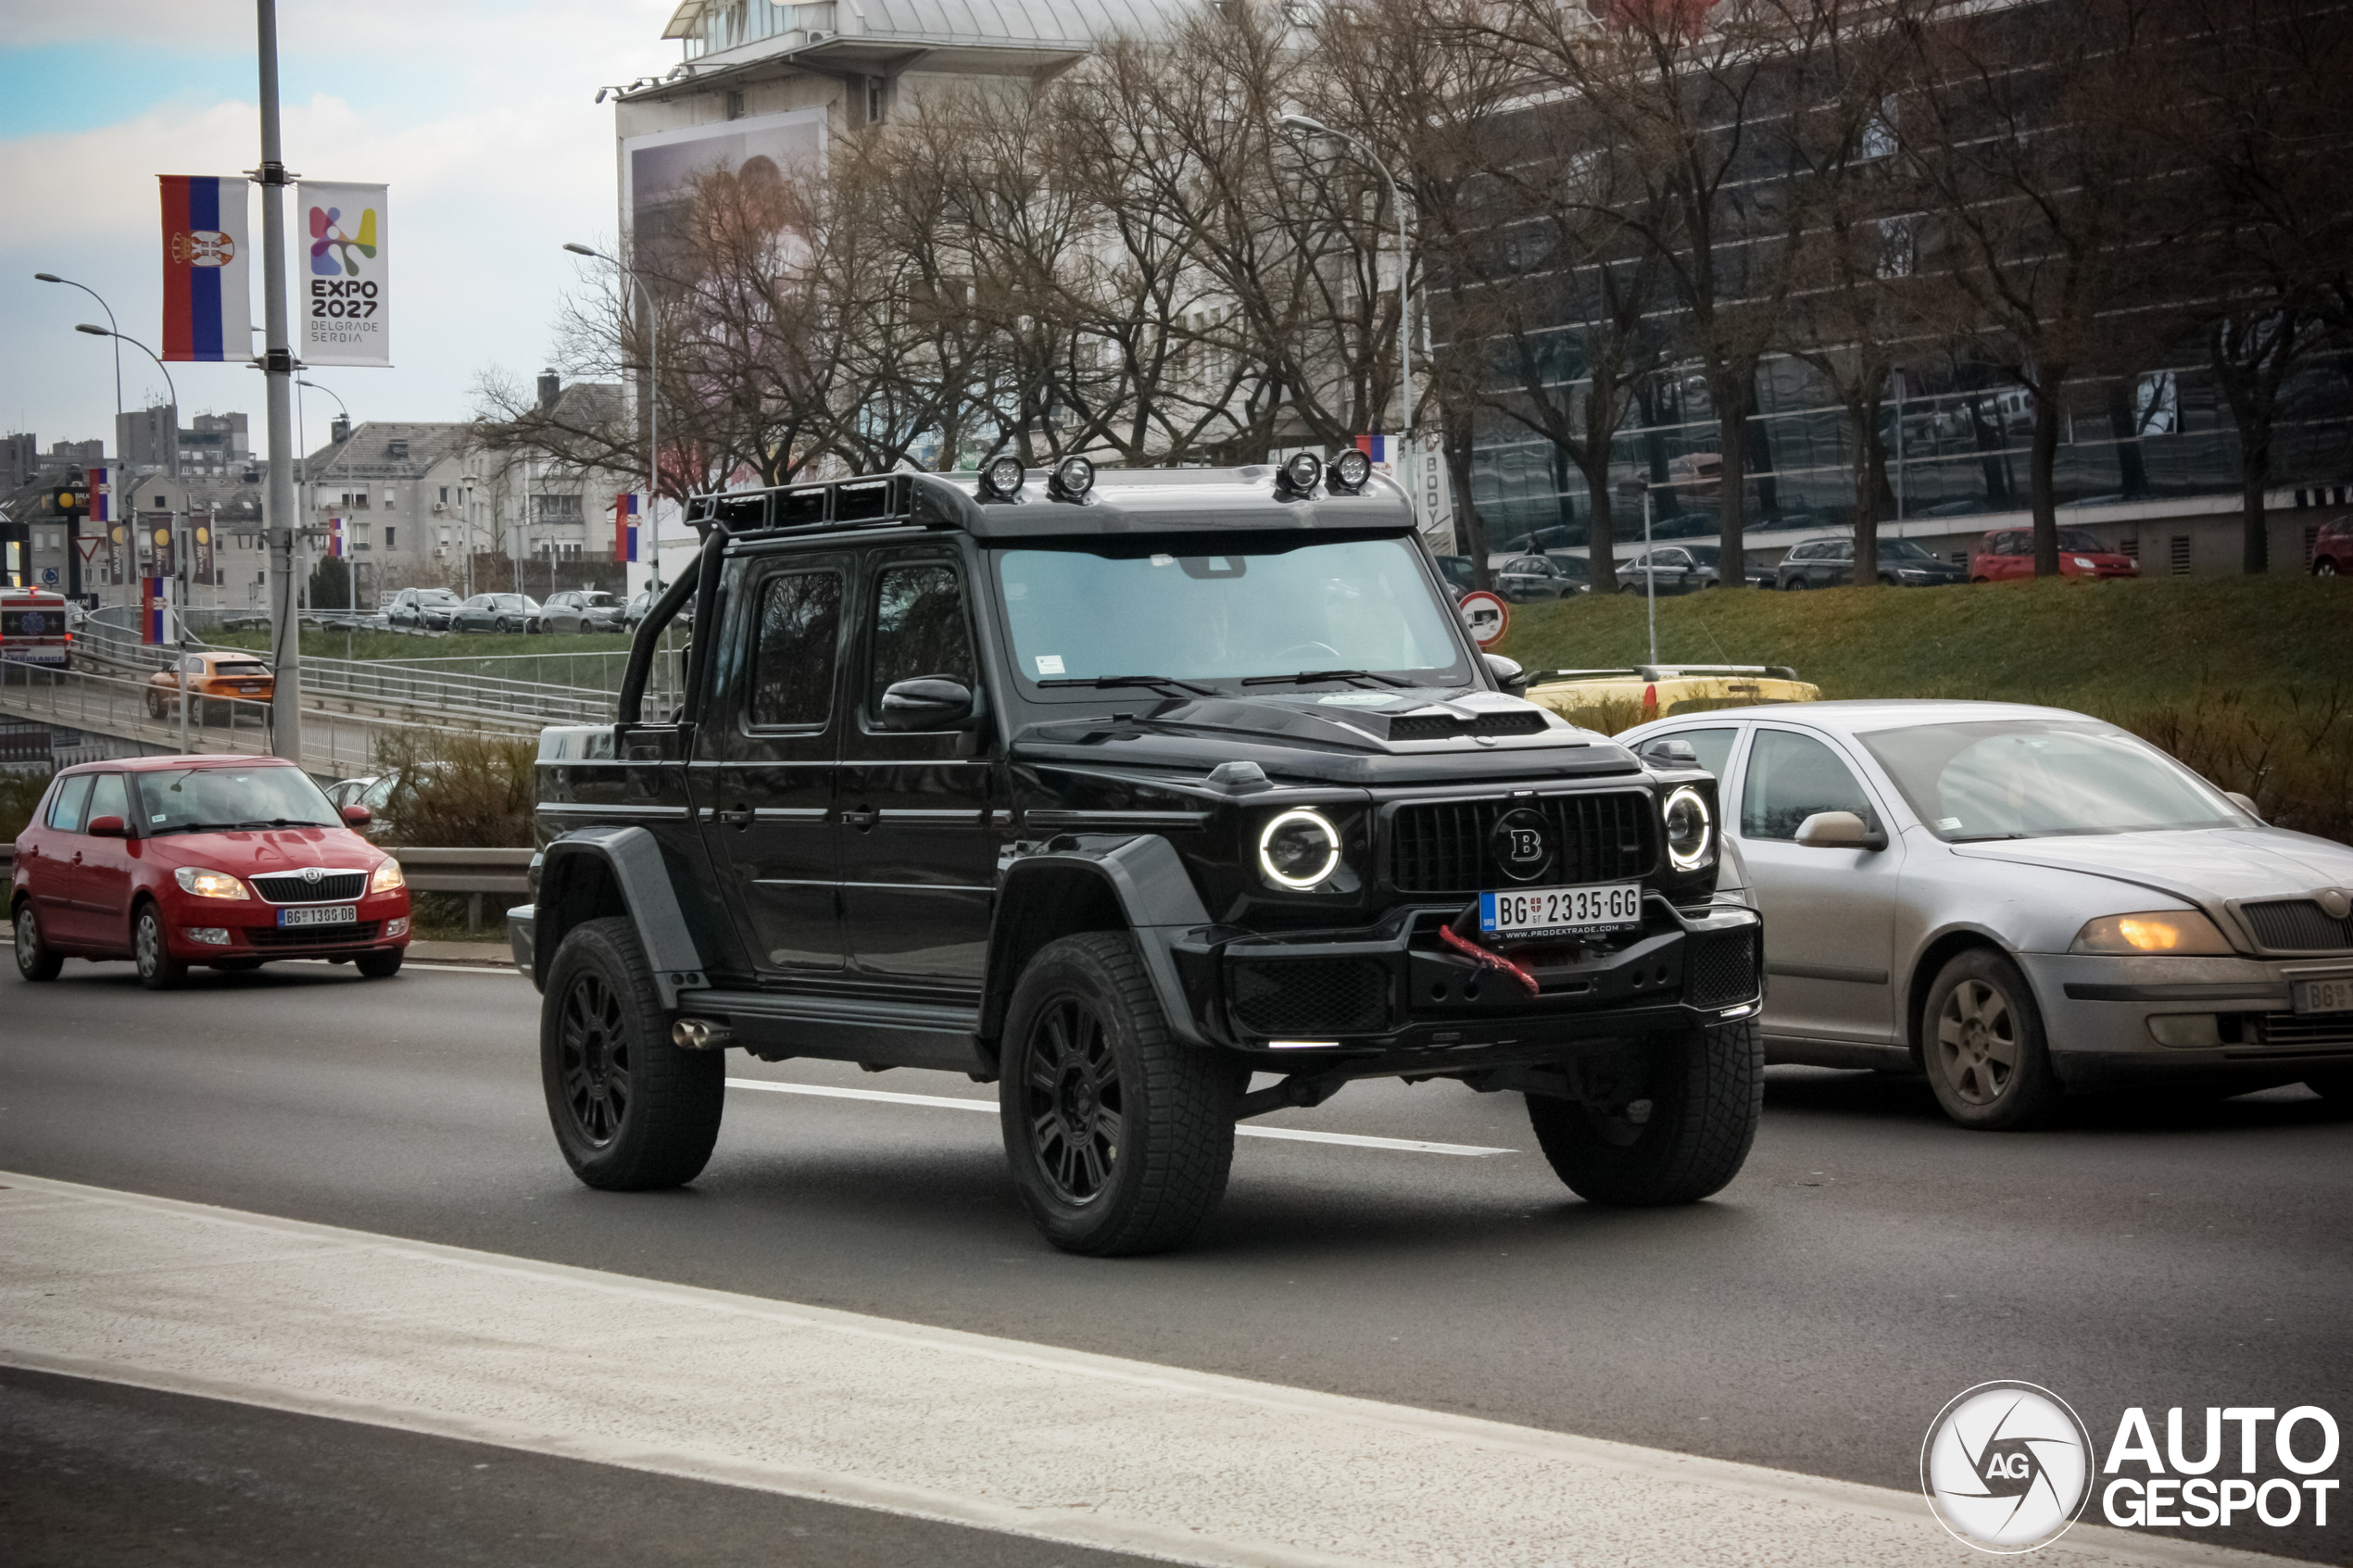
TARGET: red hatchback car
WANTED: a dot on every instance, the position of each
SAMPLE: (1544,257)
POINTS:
(2010,552)
(226,861)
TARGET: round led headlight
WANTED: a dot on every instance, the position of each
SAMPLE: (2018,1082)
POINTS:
(1002,475)
(1301,470)
(1690,829)
(1073,478)
(1349,470)
(1299,849)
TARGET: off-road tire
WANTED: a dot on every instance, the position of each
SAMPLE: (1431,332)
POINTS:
(603,1034)
(36,961)
(1977,1089)
(151,950)
(1706,1093)
(1175,1104)
(379,966)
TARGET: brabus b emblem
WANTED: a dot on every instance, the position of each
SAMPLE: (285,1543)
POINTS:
(1527,844)
(1522,844)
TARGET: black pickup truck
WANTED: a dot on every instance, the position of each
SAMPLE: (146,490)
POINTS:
(1118,791)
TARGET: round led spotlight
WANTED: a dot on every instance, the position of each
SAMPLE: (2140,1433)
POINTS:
(1301,470)
(1073,478)
(1299,849)
(1349,470)
(1690,829)
(1002,475)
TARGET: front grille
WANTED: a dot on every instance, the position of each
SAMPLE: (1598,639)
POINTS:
(326,890)
(1723,970)
(1311,996)
(312,936)
(2324,1031)
(2298,925)
(1441,726)
(1444,846)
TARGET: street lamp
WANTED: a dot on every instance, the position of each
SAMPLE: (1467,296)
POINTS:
(171,449)
(653,410)
(1634,487)
(85,288)
(180,660)
(1306,126)
(310,490)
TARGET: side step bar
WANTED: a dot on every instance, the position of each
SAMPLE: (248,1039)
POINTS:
(886,1034)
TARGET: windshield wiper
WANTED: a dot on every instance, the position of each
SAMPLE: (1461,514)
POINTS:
(1105,682)
(1305,676)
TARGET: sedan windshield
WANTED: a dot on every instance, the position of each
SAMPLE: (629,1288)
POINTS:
(1085,613)
(1903,549)
(198,799)
(436,596)
(2035,778)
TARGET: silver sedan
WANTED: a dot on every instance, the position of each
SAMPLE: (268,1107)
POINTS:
(2023,900)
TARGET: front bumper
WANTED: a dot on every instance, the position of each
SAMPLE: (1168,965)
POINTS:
(1393,999)
(2116,1018)
(251,930)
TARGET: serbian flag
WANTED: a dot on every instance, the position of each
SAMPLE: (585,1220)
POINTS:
(334,537)
(1374,446)
(154,620)
(207,306)
(625,526)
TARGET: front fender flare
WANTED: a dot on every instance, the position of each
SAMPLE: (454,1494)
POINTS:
(1091,881)
(631,859)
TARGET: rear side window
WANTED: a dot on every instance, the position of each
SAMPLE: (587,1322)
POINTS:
(107,798)
(67,813)
(1790,778)
(919,629)
(792,673)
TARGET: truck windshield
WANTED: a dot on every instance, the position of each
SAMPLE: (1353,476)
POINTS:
(1079,612)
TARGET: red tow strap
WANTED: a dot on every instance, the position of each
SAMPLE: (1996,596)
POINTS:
(1486,957)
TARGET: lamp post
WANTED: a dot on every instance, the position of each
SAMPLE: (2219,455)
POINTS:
(310,483)
(1631,487)
(1301,123)
(653,408)
(73,529)
(179,660)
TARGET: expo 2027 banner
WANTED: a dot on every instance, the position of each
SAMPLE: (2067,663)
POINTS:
(345,298)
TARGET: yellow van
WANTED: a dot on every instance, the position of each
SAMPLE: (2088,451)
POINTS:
(1611,700)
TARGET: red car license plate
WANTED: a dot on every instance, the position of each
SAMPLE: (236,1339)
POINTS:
(320,914)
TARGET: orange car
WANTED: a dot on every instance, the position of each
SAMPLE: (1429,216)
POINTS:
(214,675)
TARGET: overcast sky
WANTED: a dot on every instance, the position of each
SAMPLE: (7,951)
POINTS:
(479,114)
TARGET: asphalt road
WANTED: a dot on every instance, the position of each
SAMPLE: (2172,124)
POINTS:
(1871,1262)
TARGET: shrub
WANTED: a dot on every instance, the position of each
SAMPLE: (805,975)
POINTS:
(19,792)
(458,790)
(2291,755)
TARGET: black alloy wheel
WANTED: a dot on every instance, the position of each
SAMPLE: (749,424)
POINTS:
(500,625)
(151,950)
(1118,1136)
(630,1111)
(36,961)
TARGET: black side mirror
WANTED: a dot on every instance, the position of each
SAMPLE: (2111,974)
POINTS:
(1507,673)
(1668,752)
(927,702)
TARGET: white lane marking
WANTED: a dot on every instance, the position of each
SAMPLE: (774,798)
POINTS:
(411,964)
(945,1102)
(1029,1439)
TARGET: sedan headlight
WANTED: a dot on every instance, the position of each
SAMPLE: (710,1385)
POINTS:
(1690,829)
(388,878)
(2183,933)
(209,884)
(1299,849)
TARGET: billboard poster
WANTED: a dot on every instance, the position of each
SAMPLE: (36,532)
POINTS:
(154,544)
(200,548)
(345,302)
(118,554)
(660,172)
(207,301)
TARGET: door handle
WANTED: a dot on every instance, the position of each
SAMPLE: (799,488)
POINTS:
(862,818)
(740,817)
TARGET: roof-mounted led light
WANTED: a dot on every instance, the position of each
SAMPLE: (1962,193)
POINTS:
(1073,477)
(1002,477)
(1348,472)
(1299,473)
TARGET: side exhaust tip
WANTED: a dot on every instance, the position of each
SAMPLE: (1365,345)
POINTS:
(700,1034)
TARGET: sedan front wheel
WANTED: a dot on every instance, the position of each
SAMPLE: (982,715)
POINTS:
(1983,1040)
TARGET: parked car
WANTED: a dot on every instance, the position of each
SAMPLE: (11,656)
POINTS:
(224,862)
(1827,563)
(1456,572)
(2333,549)
(2022,901)
(214,679)
(426,610)
(495,612)
(1682,569)
(1526,579)
(643,601)
(2010,552)
(1412,870)
(579,610)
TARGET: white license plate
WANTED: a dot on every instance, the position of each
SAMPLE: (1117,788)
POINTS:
(1554,911)
(2324,996)
(248,688)
(320,914)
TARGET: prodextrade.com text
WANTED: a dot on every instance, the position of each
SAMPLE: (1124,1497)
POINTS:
(2181,1490)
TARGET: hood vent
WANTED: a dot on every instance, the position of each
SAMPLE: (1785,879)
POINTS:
(1445,727)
